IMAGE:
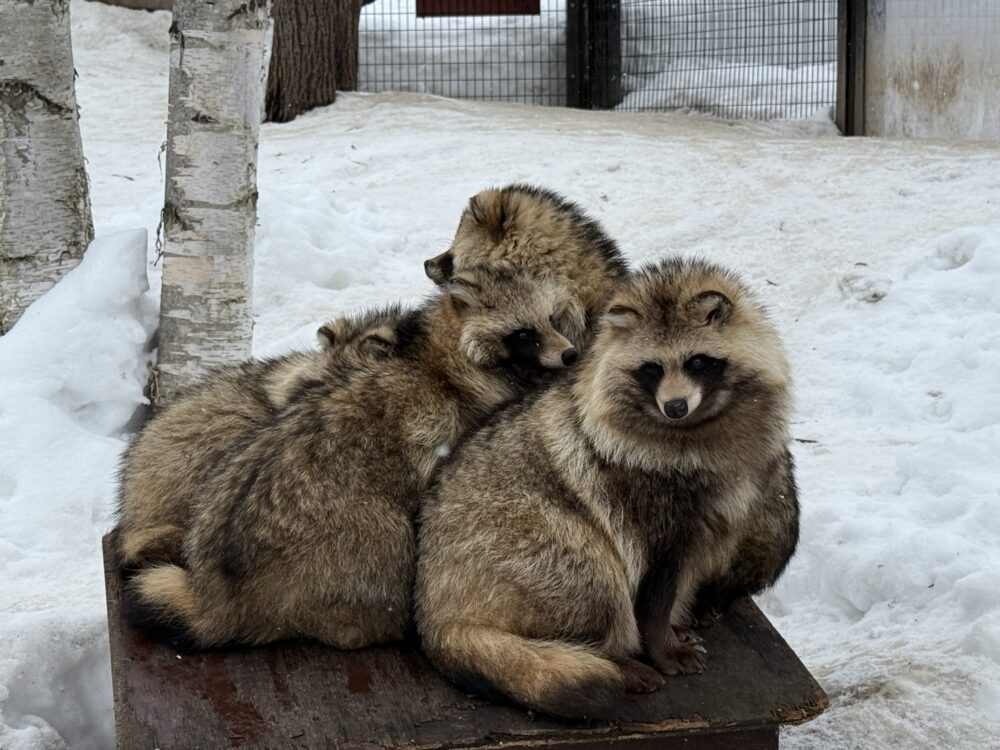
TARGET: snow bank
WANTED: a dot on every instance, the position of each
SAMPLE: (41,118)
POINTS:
(733,89)
(71,376)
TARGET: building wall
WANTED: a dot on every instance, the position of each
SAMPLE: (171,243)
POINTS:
(933,69)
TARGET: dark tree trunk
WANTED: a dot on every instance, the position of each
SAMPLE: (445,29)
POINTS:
(347,14)
(314,53)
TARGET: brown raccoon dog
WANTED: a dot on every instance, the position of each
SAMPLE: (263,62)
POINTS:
(180,446)
(347,346)
(521,226)
(305,528)
(570,534)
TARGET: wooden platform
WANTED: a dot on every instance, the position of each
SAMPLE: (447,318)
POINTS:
(304,695)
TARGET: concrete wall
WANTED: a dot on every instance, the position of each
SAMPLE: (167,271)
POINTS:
(933,69)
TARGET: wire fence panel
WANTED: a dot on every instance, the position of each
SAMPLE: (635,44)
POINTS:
(513,58)
(729,58)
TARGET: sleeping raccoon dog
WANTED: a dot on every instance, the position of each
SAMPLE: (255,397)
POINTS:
(527,227)
(658,469)
(181,445)
(305,527)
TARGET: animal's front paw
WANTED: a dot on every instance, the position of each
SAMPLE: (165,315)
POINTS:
(687,635)
(684,658)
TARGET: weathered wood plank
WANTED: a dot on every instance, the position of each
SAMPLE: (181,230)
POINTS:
(304,695)
(431,8)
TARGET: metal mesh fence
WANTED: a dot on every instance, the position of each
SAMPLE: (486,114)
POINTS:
(515,58)
(730,58)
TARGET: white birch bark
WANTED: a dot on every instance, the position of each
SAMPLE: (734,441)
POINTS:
(218,67)
(45,222)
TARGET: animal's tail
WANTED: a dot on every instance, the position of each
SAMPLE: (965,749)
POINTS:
(557,678)
(161,600)
(135,548)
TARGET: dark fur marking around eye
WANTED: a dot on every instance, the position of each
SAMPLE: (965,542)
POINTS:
(704,368)
(447,266)
(523,345)
(648,375)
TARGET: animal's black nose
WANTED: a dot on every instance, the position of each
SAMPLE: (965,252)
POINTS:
(570,356)
(676,409)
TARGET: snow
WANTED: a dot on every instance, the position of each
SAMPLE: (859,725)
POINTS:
(879,260)
(733,89)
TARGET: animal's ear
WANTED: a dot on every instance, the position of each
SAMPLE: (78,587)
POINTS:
(490,209)
(332,333)
(477,209)
(570,318)
(381,340)
(710,308)
(621,314)
(464,292)
(440,268)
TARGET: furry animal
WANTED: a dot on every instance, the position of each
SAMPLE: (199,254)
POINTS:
(521,226)
(572,532)
(181,445)
(305,527)
(347,346)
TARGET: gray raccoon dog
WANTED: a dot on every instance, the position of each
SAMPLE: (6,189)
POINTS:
(306,528)
(347,346)
(571,534)
(179,448)
(528,227)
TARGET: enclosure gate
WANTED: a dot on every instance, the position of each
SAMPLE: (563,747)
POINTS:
(731,58)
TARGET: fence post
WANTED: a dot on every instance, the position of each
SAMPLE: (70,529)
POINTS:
(577,61)
(852,17)
(593,53)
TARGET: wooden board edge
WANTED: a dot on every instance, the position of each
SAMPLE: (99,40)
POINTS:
(792,715)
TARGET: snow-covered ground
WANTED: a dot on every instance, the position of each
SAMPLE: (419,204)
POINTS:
(879,259)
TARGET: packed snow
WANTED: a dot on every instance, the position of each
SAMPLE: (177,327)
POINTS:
(880,261)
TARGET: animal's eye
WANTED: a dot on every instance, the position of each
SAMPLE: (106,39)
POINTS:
(651,370)
(526,334)
(648,375)
(702,365)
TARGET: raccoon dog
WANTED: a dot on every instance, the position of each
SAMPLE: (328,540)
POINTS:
(306,529)
(567,535)
(180,446)
(527,227)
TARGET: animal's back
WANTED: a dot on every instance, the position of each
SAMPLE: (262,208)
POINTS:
(176,452)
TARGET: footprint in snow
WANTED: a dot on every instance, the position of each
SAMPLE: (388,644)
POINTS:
(864,287)
(948,257)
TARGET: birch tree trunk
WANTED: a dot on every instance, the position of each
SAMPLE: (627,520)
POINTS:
(45,222)
(218,66)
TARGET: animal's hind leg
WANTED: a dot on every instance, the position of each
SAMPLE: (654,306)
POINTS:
(351,628)
(639,677)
